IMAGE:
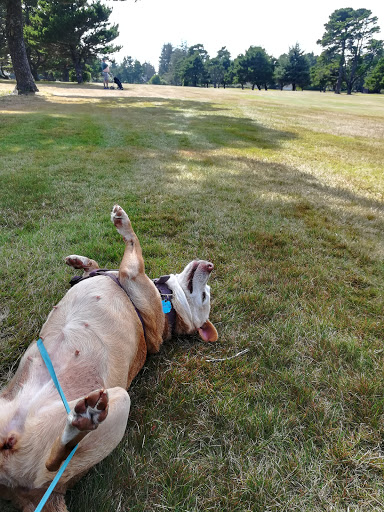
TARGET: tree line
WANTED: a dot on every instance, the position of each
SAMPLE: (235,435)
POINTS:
(193,67)
(65,40)
(351,60)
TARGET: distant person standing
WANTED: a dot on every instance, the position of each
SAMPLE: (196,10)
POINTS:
(105,71)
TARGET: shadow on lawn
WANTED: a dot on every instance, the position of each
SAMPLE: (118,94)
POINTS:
(289,181)
(246,184)
(144,123)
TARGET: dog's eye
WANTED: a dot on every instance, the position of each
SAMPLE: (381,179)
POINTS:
(204,296)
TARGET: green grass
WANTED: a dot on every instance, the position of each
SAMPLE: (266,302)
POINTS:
(284,193)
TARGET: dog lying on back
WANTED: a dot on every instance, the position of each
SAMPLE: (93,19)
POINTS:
(98,337)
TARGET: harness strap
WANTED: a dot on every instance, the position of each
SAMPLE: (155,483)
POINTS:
(166,296)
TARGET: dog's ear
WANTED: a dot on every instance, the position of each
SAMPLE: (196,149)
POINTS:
(208,332)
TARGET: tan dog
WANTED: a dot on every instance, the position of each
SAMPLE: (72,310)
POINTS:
(96,342)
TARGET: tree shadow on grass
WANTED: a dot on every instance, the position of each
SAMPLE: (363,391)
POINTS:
(153,101)
(285,186)
(328,212)
(144,123)
(291,182)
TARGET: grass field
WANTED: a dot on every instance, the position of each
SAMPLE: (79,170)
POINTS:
(284,192)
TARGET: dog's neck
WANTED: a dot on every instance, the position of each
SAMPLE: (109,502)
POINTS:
(166,295)
(179,319)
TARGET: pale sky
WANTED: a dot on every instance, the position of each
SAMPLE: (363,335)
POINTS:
(275,25)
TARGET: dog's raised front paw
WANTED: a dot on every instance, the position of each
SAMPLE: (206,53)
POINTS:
(121,221)
(90,411)
(76,261)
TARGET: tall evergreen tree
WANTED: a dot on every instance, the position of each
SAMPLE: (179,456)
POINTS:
(138,72)
(77,29)
(148,71)
(165,58)
(324,73)
(240,70)
(347,37)
(38,54)
(260,68)
(175,72)
(224,59)
(375,80)
(193,69)
(297,68)
(218,67)
(279,73)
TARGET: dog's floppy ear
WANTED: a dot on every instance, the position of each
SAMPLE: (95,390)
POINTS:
(208,332)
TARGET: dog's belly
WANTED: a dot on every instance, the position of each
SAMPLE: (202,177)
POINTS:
(92,336)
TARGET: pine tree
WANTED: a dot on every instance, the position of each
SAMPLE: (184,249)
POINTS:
(165,59)
(297,68)
(75,30)
(347,36)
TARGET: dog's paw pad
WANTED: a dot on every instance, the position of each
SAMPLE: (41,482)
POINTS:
(120,220)
(76,261)
(90,411)
(118,215)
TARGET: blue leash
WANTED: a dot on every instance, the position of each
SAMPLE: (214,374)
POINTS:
(49,365)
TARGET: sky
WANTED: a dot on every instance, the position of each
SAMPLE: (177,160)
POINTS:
(275,25)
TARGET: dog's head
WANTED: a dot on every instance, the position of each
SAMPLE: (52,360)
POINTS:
(193,281)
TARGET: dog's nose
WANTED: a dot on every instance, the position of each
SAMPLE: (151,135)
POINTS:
(209,267)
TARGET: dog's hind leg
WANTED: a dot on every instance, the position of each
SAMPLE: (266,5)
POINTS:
(28,503)
(100,430)
(138,286)
(82,262)
(86,416)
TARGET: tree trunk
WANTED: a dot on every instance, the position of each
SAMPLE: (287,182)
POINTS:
(14,27)
(351,79)
(341,70)
(293,86)
(65,74)
(33,69)
(3,76)
(79,72)
(253,87)
(31,66)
